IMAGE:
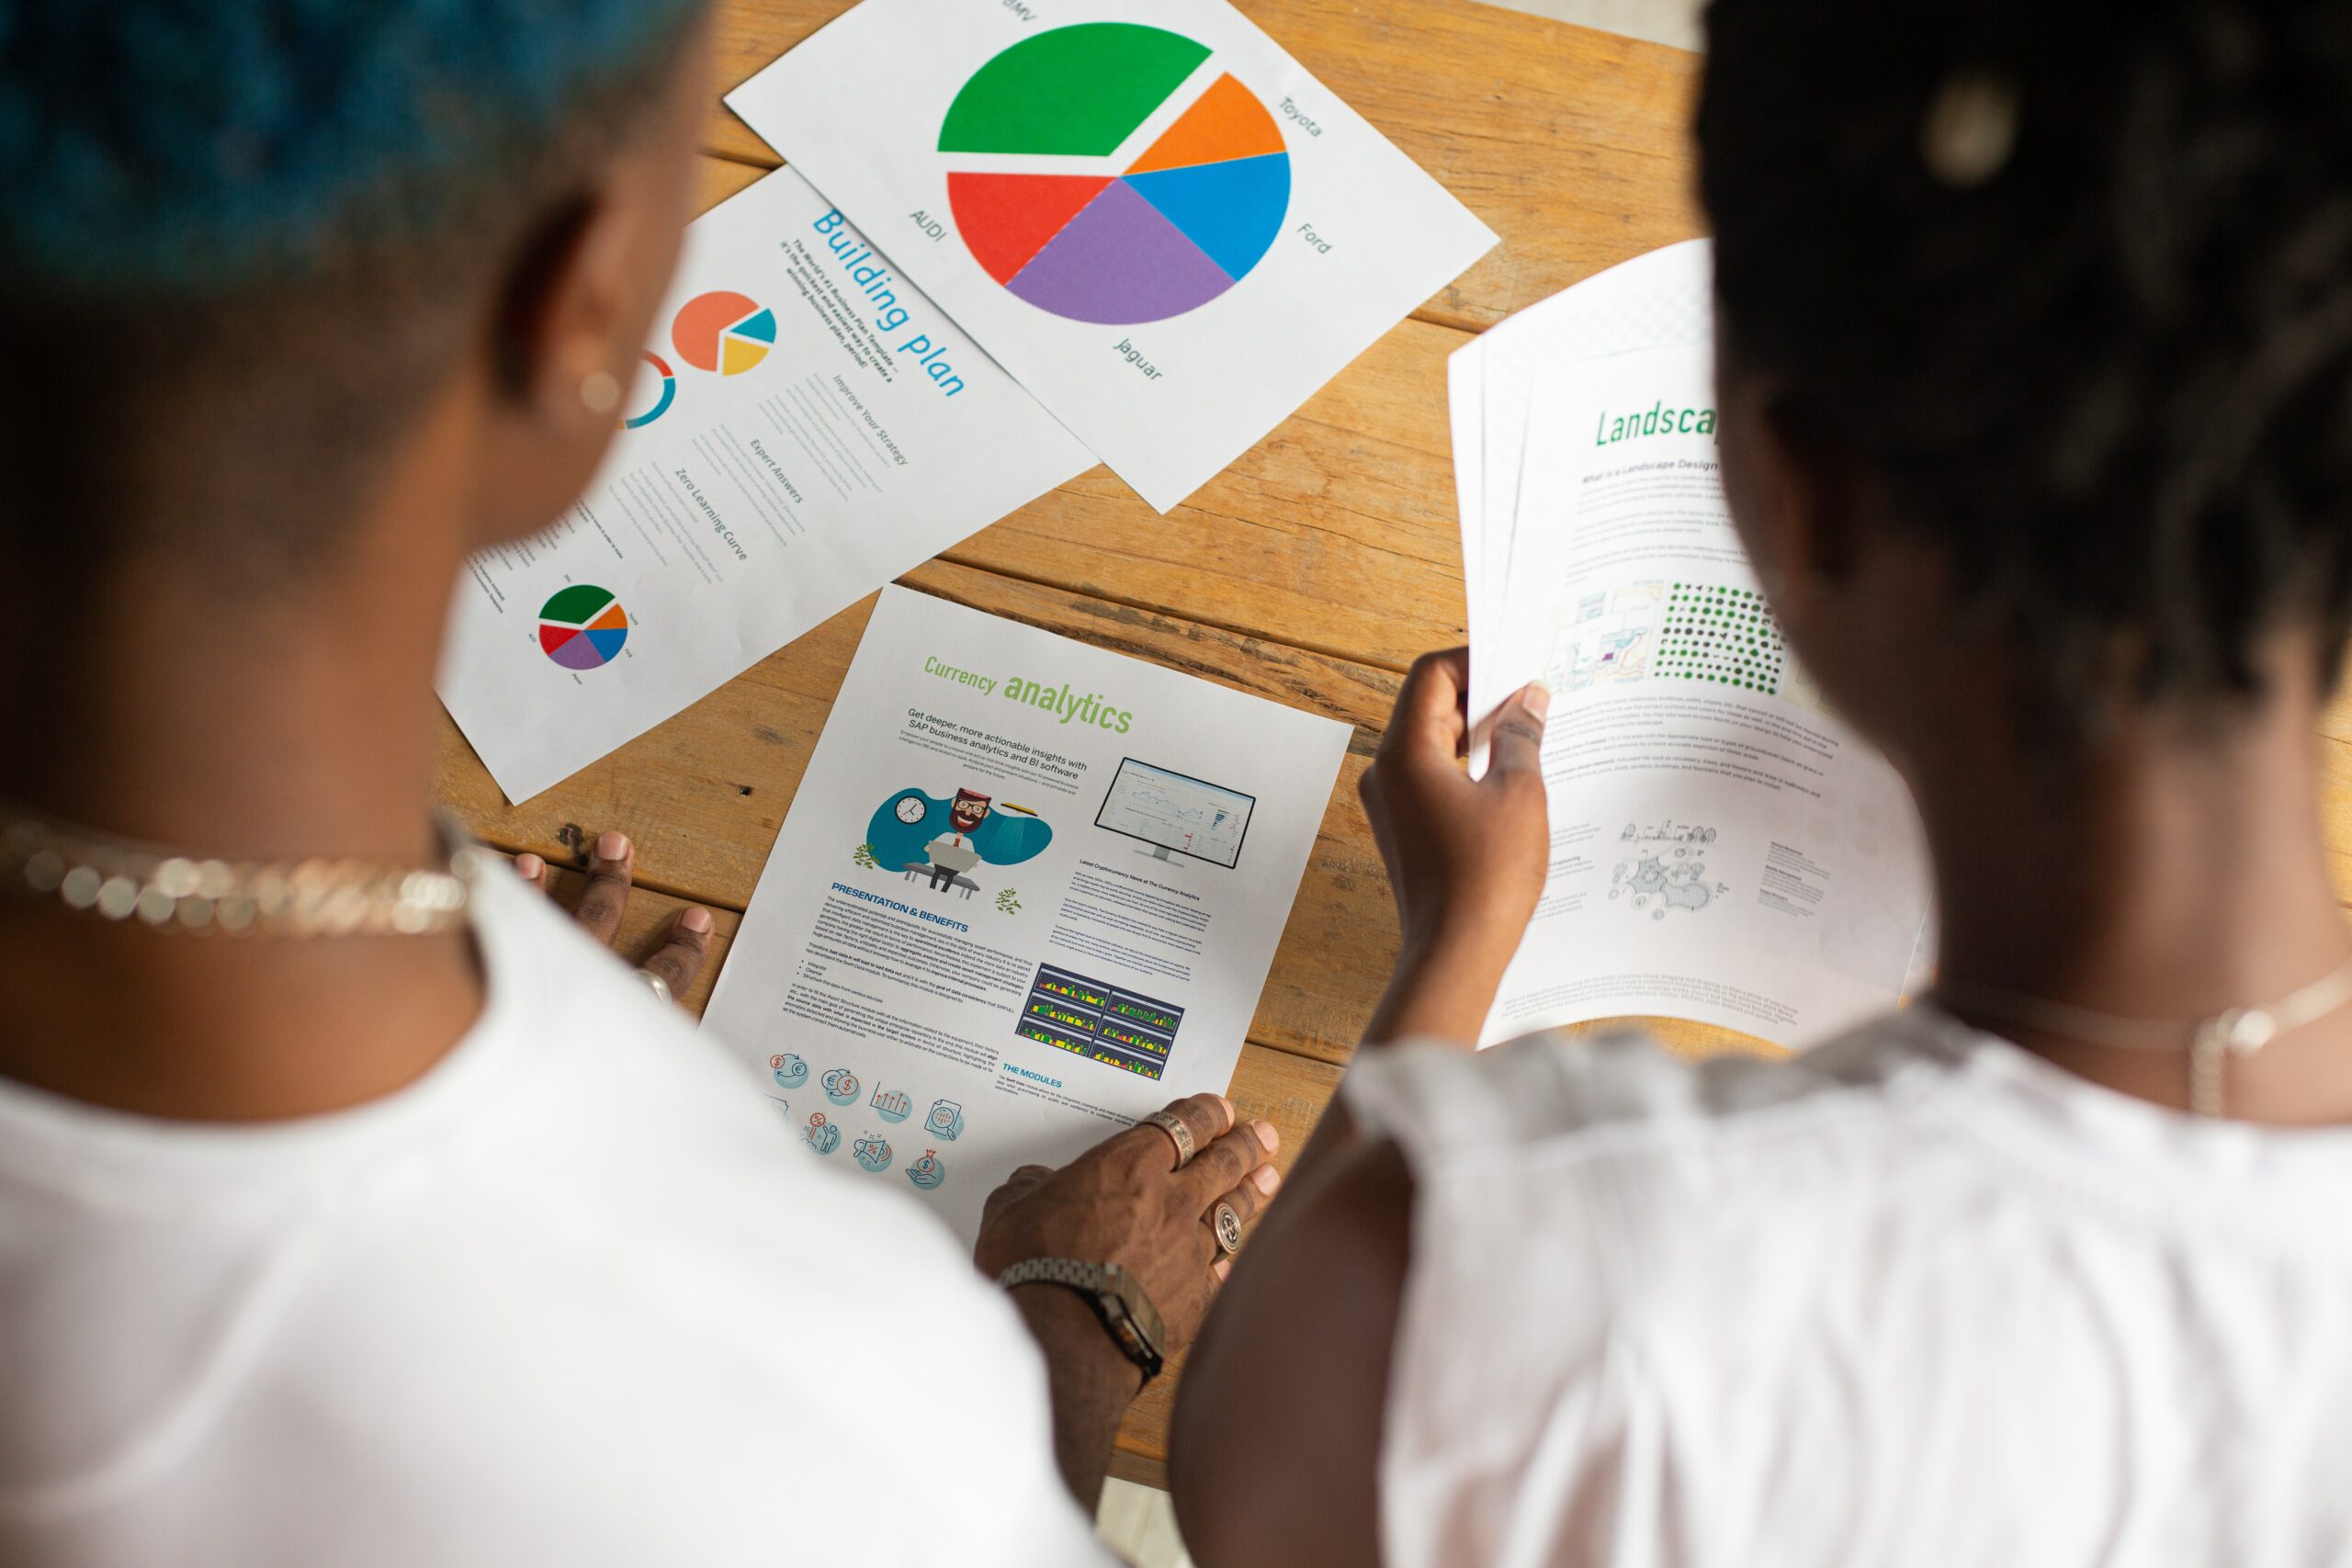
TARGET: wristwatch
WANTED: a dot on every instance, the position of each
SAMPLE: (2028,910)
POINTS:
(1118,1298)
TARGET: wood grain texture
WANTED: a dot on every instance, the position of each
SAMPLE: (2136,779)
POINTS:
(1338,527)
(1572,144)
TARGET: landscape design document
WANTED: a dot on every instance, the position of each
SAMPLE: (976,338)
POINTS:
(805,427)
(1028,891)
(1724,848)
(1149,213)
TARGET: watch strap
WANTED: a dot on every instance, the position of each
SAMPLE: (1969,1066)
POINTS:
(1118,1297)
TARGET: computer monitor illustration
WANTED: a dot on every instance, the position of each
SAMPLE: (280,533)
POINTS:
(1176,813)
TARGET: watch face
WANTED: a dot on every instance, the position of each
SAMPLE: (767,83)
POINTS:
(913,811)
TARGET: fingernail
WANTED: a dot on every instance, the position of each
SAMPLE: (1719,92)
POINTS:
(1229,1117)
(1221,1267)
(1267,1179)
(1537,698)
(1267,1135)
(529,866)
(612,846)
(696,919)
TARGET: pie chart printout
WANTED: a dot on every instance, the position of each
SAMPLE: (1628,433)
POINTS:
(724,331)
(1167,233)
(582,627)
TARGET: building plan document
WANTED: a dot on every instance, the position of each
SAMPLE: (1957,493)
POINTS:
(1028,891)
(795,438)
(1724,848)
(1149,213)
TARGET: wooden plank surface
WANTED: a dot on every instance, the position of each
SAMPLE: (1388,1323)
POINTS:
(1339,529)
(1568,143)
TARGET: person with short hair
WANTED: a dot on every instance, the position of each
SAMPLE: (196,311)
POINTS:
(354,1208)
(2035,353)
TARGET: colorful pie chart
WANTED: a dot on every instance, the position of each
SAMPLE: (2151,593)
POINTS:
(723,331)
(663,392)
(582,627)
(1133,242)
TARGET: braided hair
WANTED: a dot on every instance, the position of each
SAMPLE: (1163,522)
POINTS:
(2075,283)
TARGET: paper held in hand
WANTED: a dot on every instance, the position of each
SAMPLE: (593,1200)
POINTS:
(1144,209)
(1027,892)
(1724,848)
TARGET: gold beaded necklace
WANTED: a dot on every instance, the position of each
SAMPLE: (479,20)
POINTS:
(123,880)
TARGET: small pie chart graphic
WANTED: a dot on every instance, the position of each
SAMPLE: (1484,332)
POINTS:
(655,395)
(723,331)
(1139,237)
(582,627)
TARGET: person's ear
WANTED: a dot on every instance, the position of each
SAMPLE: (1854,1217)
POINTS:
(570,316)
(575,307)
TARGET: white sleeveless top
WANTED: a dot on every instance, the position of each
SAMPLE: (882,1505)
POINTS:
(1914,1297)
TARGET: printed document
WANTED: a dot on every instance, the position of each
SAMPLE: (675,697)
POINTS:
(805,427)
(1724,848)
(1028,891)
(1149,213)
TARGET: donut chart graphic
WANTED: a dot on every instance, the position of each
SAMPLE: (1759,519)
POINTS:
(666,392)
(1189,219)
(723,331)
(582,627)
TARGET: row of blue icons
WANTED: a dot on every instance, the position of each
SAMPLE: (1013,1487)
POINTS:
(873,1153)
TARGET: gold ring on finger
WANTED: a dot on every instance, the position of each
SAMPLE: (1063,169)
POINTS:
(1227,1226)
(1178,1134)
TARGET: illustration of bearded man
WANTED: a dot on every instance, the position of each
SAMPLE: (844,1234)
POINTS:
(969,810)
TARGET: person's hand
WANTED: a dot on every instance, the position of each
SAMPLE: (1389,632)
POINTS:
(1464,858)
(1123,1202)
(612,861)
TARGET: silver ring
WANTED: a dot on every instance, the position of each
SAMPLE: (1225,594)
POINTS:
(1227,1226)
(654,983)
(1178,1134)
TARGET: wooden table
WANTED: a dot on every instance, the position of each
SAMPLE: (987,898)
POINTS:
(1311,571)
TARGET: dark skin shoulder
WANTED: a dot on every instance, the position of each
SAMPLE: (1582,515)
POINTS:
(1268,1415)
(1275,1452)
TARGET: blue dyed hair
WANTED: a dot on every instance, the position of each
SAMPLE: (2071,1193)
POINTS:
(197,145)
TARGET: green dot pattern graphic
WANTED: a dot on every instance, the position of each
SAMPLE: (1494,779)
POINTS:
(1724,636)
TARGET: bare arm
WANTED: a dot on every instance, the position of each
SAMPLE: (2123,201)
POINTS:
(1275,1446)
(1126,1201)
(1466,862)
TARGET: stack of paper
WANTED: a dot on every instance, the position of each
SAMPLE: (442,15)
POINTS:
(1723,847)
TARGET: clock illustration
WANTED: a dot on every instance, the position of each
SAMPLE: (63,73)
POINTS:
(913,809)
